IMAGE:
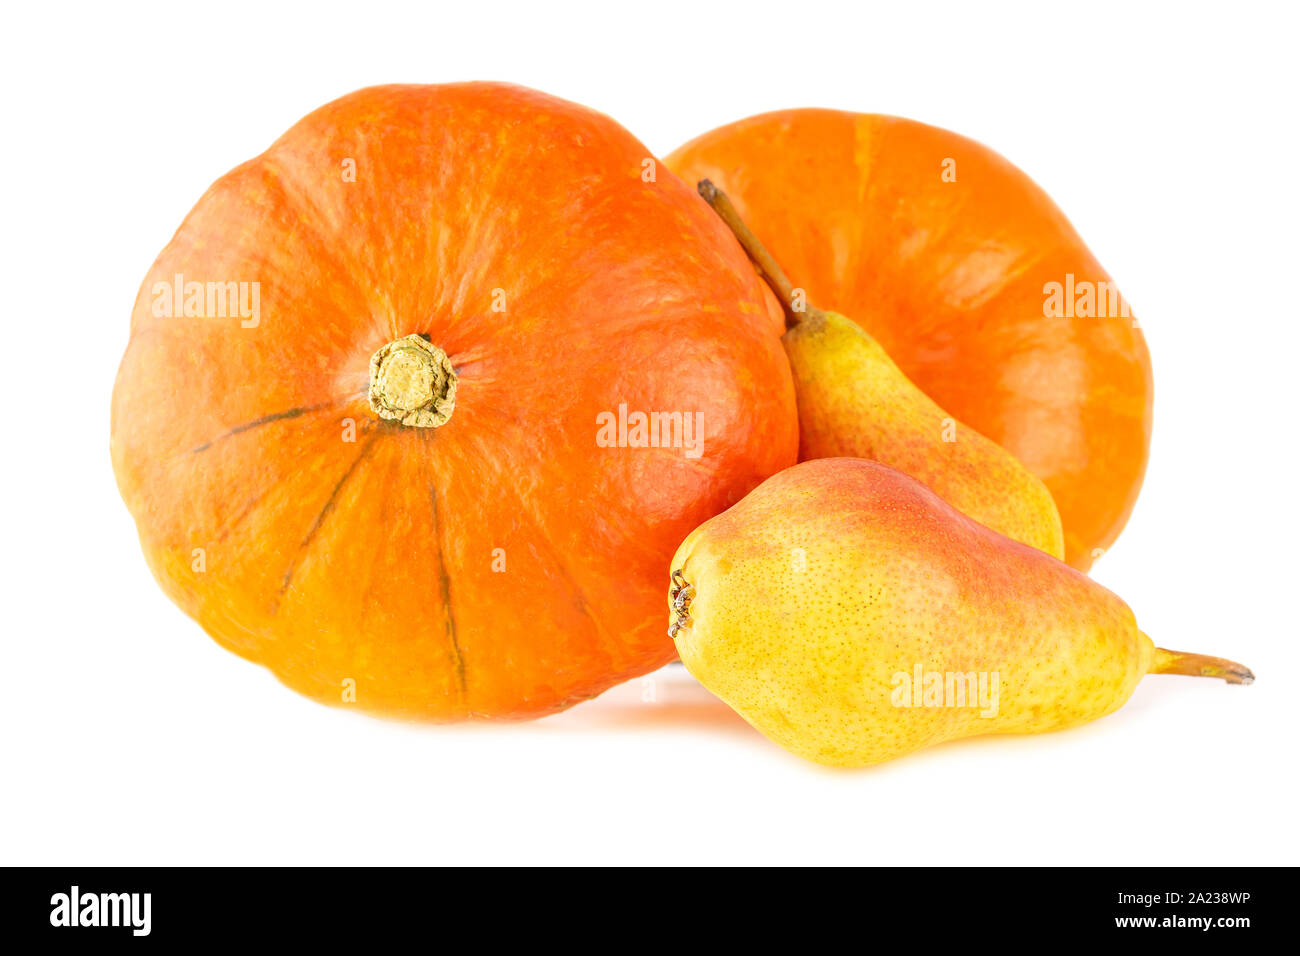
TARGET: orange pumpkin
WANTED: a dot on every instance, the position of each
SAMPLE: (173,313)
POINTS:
(378,419)
(952,258)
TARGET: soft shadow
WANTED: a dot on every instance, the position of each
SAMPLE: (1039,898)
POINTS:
(668,699)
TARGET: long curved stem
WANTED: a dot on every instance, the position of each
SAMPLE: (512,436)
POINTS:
(767,267)
(1200,665)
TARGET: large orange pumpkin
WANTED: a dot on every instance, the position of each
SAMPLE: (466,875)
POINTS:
(951,256)
(378,419)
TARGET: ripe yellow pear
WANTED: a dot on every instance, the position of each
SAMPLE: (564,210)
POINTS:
(853,616)
(854,402)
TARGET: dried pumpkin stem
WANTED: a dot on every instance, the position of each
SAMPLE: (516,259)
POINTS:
(767,267)
(412,381)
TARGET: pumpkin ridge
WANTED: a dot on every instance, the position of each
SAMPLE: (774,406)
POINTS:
(324,239)
(893,134)
(1023,266)
(224,531)
(265,420)
(444,584)
(324,513)
(484,225)
(580,594)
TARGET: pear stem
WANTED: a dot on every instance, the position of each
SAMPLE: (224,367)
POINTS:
(767,267)
(1200,665)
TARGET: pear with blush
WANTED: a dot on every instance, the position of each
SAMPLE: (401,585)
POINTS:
(853,616)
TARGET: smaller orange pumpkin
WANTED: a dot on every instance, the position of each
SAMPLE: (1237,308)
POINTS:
(948,255)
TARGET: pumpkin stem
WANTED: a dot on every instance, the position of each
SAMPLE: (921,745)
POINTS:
(767,267)
(412,381)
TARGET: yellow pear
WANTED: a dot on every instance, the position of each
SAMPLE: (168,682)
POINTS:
(854,402)
(853,616)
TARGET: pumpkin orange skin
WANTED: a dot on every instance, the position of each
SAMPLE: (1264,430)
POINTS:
(950,277)
(503,565)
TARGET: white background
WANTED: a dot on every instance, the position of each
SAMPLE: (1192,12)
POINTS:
(1168,136)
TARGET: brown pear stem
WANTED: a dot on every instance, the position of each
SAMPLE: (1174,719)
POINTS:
(1200,665)
(767,267)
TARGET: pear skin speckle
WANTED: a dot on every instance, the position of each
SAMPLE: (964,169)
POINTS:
(826,601)
(855,402)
